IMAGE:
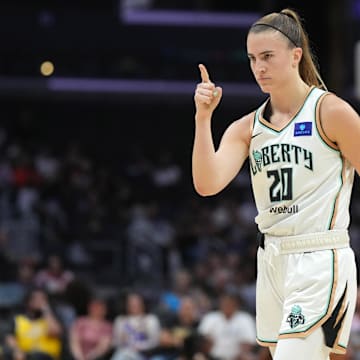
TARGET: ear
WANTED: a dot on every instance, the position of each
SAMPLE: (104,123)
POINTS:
(297,55)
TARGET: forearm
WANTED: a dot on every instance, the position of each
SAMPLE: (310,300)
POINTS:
(213,170)
(12,343)
(54,327)
(17,353)
(102,348)
(77,353)
(204,168)
(75,348)
(152,336)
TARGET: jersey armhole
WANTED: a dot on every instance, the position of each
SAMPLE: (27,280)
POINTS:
(252,123)
(319,126)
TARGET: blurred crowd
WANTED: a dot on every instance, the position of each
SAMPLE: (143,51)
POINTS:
(102,261)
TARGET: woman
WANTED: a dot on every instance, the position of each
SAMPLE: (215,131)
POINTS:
(137,332)
(36,333)
(178,333)
(91,335)
(302,144)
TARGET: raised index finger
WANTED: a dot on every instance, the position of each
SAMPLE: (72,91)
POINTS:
(204,74)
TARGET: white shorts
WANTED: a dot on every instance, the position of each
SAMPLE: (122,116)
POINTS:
(301,289)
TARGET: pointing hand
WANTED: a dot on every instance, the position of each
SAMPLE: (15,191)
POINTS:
(207,95)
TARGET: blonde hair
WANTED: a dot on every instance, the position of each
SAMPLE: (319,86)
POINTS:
(288,23)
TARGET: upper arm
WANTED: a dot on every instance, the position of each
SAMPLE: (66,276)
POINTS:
(234,146)
(117,328)
(341,125)
(74,330)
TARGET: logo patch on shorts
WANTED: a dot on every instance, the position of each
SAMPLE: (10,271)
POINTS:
(295,317)
(303,129)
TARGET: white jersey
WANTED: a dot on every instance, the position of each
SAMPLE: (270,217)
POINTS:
(301,182)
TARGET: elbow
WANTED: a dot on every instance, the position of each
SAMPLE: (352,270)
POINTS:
(204,190)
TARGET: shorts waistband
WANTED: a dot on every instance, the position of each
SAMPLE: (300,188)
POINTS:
(332,239)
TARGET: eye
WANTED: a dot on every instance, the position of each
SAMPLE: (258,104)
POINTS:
(267,56)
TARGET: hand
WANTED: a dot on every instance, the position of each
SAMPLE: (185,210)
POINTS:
(207,96)
(19,355)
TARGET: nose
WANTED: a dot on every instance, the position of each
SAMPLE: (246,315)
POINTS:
(260,68)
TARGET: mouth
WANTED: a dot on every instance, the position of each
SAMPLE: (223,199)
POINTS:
(263,79)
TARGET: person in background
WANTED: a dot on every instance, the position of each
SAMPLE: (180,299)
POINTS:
(36,333)
(178,332)
(136,333)
(181,286)
(230,330)
(91,335)
(54,278)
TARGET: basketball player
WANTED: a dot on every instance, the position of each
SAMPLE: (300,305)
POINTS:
(303,146)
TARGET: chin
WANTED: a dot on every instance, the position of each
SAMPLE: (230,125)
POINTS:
(265,88)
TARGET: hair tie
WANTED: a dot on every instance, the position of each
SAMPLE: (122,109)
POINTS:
(288,15)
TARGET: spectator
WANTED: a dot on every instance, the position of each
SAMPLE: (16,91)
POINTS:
(231,331)
(54,278)
(90,335)
(47,165)
(36,333)
(13,291)
(176,334)
(166,174)
(136,333)
(182,286)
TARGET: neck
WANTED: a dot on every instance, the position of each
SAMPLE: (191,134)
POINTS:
(288,99)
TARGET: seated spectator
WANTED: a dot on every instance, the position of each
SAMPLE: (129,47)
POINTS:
(181,286)
(177,335)
(136,333)
(54,278)
(90,335)
(231,331)
(12,292)
(36,333)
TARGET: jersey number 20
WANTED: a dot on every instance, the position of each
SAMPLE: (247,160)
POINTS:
(281,187)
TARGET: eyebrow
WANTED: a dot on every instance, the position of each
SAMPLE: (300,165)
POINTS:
(262,53)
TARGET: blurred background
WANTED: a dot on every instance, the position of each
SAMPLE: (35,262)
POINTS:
(96,196)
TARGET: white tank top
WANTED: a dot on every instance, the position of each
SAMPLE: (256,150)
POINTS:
(301,182)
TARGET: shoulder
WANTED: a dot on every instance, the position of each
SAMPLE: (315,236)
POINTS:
(79,323)
(332,105)
(244,316)
(119,320)
(107,326)
(211,316)
(336,113)
(151,319)
(245,121)
(81,320)
(210,322)
(241,129)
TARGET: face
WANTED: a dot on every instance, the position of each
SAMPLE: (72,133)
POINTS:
(228,305)
(37,300)
(273,63)
(187,311)
(182,281)
(54,263)
(97,309)
(135,305)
